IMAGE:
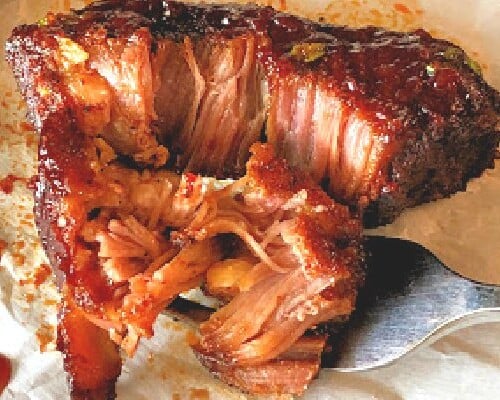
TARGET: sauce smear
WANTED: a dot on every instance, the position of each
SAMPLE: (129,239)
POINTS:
(7,183)
(5,372)
(41,274)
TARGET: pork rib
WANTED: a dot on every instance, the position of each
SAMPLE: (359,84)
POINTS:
(385,120)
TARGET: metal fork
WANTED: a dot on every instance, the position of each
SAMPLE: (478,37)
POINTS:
(409,298)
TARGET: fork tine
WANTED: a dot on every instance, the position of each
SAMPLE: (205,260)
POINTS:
(409,295)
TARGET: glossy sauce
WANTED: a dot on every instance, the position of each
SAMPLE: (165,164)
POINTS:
(377,71)
(5,372)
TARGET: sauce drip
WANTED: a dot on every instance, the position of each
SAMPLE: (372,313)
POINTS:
(5,372)
(41,274)
(199,394)
(7,183)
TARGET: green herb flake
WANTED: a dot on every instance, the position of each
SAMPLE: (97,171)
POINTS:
(430,70)
(308,52)
(474,65)
(456,54)
(453,53)
(43,21)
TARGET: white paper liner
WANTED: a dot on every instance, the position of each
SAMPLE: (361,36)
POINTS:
(462,231)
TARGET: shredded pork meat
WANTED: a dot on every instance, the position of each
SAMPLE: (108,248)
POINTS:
(294,244)
(279,253)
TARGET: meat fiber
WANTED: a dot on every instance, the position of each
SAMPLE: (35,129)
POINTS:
(126,242)
(384,120)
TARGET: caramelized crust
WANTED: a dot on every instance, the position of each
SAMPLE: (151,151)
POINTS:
(384,120)
(90,358)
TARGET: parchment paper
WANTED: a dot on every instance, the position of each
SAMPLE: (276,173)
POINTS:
(464,231)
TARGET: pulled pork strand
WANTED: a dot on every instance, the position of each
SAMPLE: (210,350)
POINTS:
(289,243)
(150,235)
(265,319)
